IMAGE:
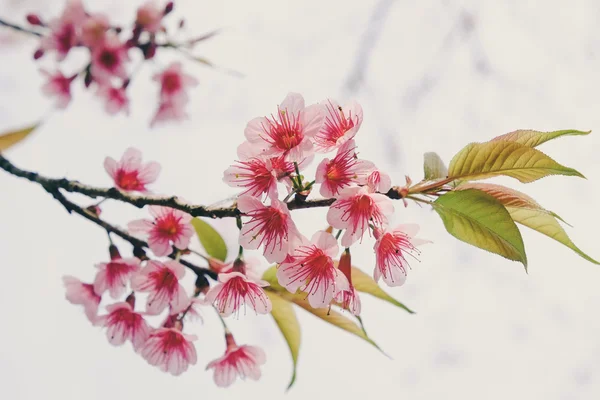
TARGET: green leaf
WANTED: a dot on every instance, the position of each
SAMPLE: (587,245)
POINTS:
(360,280)
(526,211)
(212,242)
(10,138)
(285,317)
(531,138)
(331,316)
(486,160)
(479,219)
(364,283)
(434,167)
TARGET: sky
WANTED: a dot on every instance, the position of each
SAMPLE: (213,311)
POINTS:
(430,76)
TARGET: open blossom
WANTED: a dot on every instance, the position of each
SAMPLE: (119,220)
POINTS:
(108,59)
(122,324)
(290,132)
(64,31)
(391,250)
(170,350)
(342,171)
(161,281)
(341,125)
(115,99)
(310,268)
(259,175)
(355,209)
(173,82)
(235,291)
(379,181)
(129,174)
(169,226)
(58,86)
(93,29)
(269,226)
(83,294)
(243,361)
(114,275)
(149,16)
(348,298)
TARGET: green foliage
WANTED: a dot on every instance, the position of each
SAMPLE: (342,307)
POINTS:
(364,283)
(479,219)
(531,138)
(285,317)
(486,160)
(526,211)
(434,167)
(213,243)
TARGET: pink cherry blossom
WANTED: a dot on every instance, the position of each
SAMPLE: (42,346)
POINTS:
(169,226)
(290,132)
(94,29)
(129,174)
(342,171)
(348,298)
(170,350)
(161,281)
(64,31)
(108,59)
(59,86)
(259,175)
(341,125)
(169,111)
(149,16)
(114,275)
(269,226)
(355,209)
(115,99)
(83,294)
(235,291)
(123,324)
(310,268)
(391,250)
(173,82)
(379,181)
(242,361)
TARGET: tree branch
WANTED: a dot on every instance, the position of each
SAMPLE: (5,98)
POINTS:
(19,28)
(54,190)
(299,202)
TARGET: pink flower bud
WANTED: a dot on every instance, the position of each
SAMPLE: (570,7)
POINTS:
(169,7)
(39,53)
(33,19)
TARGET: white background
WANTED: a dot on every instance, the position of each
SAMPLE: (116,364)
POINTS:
(431,76)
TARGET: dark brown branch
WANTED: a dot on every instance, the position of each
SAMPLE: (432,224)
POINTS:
(170,201)
(19,28)
(89,215)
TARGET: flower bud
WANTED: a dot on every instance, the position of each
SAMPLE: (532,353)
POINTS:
(169,7)
(33,19)
(345,265)
(149,51)
(131,300)
(39,53)
(202,285)
(114,252)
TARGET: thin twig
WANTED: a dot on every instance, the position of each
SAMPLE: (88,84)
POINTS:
(19,28)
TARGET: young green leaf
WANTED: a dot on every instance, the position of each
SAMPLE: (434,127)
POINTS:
(270,275)
(434,167)
(364,283)
(285,317)
(526,211)
(479,219)
(486,160)
(9,139)
(212,242)
(331,316)
(531,138)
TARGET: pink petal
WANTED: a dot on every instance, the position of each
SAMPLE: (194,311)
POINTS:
(326,242)
(312,119)
(143,226)
(110,165)
(293,103)
(149,172)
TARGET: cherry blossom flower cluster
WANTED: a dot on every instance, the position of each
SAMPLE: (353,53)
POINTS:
(269,162)
(268,169)
(108,69)
(120,282)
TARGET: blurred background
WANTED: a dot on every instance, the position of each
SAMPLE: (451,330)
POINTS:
(431,76)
